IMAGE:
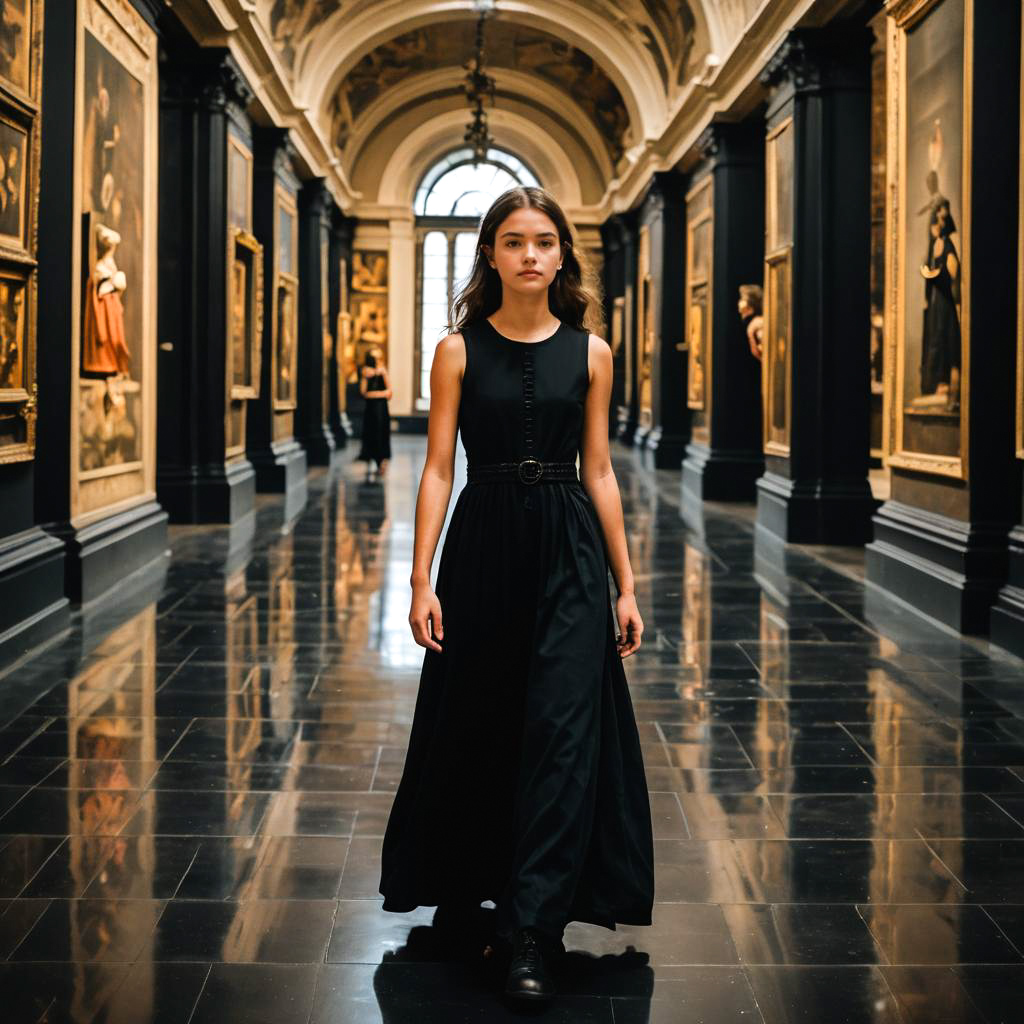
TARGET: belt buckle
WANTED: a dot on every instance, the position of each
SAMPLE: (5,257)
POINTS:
(529,471)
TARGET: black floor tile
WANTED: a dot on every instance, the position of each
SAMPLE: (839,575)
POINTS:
(256,994)
(254,931)
(90,931)
(852,995)
(938,934)
(800,934)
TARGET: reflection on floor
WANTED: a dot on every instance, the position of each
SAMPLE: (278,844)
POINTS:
(192,792)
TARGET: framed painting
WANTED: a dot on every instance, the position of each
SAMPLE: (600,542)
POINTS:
(699,234)
(369,271)
(245,312)
(240,165)
(777,365)
(644,327)
(285,325)
(17,360)
(114,348)
(344,351)
(14,151)
(927,325)
(20,81)
(20,26)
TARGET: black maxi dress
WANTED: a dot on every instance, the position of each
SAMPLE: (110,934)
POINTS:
(376,436)
(524,781)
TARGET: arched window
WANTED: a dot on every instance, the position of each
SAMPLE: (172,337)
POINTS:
(452,197)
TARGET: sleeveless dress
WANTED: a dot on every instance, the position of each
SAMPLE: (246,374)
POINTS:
(376,433)
(524,780)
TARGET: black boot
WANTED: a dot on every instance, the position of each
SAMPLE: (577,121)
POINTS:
(528,977)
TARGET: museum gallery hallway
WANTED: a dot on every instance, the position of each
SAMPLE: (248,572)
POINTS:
(194,790)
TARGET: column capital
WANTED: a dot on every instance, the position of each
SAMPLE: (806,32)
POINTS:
(811,59)
(211,80)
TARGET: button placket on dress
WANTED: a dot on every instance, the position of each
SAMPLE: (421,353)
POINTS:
(528,382)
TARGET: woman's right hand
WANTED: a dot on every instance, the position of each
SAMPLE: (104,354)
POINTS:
(425,617)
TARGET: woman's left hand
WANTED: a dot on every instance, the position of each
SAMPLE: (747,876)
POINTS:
(631,626)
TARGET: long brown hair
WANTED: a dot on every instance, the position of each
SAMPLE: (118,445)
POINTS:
(574,294)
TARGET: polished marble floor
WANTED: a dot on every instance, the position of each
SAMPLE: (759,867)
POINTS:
(194,784)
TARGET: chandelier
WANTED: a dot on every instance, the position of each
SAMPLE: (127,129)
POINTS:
(479,85)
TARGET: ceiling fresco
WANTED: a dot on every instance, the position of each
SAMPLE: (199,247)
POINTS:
(509,45)
(291,21)
(666,30)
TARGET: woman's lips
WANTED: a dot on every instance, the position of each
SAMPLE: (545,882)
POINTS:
(529,273)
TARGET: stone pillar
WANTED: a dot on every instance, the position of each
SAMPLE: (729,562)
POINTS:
(725,248)
(33,607)
(664,420)
(941,541)
(613,280)
(315,336)
(817,303)
(279,460)
(203,475)
(96,431)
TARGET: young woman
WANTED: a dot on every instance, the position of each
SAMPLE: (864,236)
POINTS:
(524,782)
(375,387)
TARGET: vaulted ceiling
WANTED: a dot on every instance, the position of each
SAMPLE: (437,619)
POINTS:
(581,84)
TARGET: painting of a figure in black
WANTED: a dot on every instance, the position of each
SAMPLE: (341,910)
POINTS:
(940,335)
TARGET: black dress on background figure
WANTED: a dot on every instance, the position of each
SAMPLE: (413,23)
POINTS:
(524,780)
(376,437)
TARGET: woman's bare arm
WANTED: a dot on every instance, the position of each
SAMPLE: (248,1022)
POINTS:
(599,482)
(436,485)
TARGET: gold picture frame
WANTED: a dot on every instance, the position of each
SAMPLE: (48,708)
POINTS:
(777,366)
(941,125)
(244,313)
(344,350)
(19,58)
(20,88)
(644,328)
(113,415)
(698,306)
(285,303)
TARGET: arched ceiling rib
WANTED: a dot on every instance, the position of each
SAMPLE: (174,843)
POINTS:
(575,129)
(610,69)
(422,145)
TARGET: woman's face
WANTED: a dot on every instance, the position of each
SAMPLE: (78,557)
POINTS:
(526,251)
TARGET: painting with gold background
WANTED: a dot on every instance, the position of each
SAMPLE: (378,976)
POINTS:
(929,119)
(344,365)
(698,295)
(116,170)
(369,306)
(20,83)
(286,302)
(777,366)
(644,327)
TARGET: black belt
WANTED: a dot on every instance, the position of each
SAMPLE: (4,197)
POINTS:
(526,471)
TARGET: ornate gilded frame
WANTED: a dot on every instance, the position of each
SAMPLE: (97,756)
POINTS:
(19,108)
(703,193)
(778,252)
(905,15)
(644,329)
(243,243)
(123,32)
(288,281)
